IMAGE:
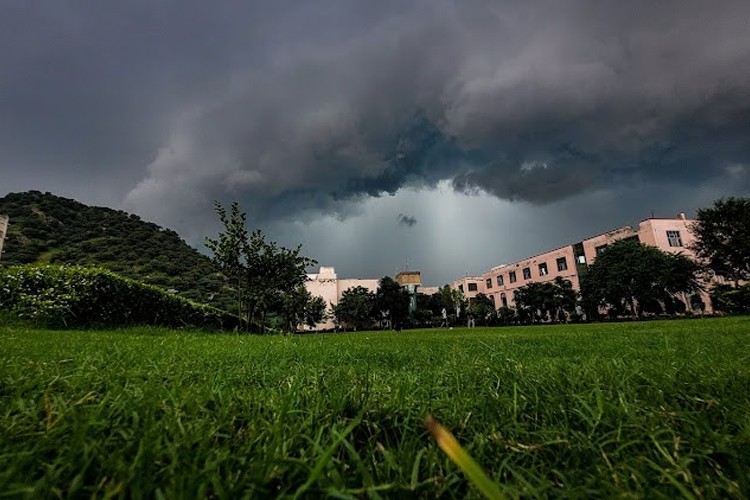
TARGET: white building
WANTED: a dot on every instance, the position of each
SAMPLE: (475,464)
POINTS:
(328,285)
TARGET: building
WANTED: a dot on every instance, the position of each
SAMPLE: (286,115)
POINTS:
(331,288)
(570,262)
(3,230)
(328,285)
(410,280)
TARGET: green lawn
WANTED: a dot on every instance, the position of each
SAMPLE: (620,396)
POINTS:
(650,409)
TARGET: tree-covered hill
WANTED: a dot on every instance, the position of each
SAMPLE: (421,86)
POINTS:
(45,228)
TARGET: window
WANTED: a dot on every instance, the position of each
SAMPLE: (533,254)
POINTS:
(504,300)
(512,276)
(674,238)
(581,259)
(600,249)
(488,281)
(526,273)
(500,280)
(472,287)
(562,264)
(461,288)
(543,269)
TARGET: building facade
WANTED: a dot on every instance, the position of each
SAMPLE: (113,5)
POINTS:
(570,262)
(326,284)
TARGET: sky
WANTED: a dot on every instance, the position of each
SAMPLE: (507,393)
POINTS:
(444,136)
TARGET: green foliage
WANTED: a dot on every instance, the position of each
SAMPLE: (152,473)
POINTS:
(301,308)
(266,278)
(49,229)
(482,309)
(731,300)
(392,302)
(627,410)
(77,296)
(723,237)
(549,301)
(631,276)
(229,250)
(356,308)
(506,316)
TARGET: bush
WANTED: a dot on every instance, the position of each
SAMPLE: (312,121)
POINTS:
(731,300)
(80,296)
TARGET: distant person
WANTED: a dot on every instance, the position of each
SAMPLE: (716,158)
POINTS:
(470,321)
(445,318)
(385,319)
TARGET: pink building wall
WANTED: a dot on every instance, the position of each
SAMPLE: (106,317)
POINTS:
(469,286)
(669,235)
(498,283)
(593,245)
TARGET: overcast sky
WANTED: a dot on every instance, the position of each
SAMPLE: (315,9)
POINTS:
(446,136)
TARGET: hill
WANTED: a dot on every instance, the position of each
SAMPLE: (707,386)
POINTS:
(45,228)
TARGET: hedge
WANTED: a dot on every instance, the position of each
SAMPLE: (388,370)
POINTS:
(81,296)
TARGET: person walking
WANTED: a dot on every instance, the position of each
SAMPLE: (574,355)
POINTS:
(445,318)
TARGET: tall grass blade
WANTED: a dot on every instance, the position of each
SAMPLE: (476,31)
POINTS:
(465,462)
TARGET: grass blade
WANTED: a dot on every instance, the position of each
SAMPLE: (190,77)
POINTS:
(465,462)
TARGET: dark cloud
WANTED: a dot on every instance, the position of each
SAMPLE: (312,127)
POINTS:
(532,102)
(407,220)
(299,109)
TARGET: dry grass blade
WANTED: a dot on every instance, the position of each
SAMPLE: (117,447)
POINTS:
(461,457)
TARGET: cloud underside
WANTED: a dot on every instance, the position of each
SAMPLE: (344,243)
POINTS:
(311,109)
(522,102)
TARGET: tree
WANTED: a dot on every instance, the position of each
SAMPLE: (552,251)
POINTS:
(549,301)
(301,308)
(355,308)
(482,308)
(272,273)
(315,312)
(628,275)
(506,315)
(267,278)
(452,300)
(228,249)
(723,238)
(392,302)
(564,299)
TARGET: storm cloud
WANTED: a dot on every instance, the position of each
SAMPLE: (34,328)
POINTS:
(304,110)
(533,102)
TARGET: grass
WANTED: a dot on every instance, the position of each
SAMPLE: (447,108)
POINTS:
(645,409)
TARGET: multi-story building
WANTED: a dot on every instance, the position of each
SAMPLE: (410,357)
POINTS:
(569,262)
(3,230)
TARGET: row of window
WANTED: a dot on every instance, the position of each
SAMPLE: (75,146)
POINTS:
(562,265)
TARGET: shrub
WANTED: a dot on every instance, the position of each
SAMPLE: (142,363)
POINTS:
(731,300)
(80,296)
